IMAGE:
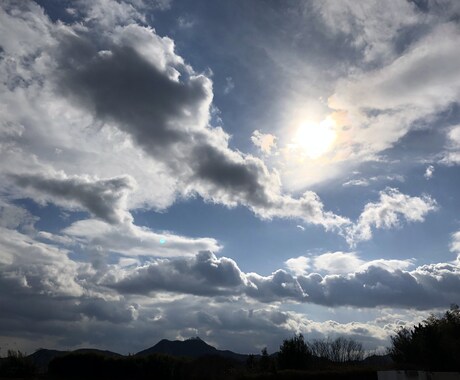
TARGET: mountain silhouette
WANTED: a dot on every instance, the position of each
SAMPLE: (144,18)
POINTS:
(191,348)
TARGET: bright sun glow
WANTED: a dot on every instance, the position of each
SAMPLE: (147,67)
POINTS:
(316,139)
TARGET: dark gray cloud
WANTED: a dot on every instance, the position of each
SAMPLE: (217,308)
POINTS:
(426,287)
(103,198)
(164,115)
(203,274)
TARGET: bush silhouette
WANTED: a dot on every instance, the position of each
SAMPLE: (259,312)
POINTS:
(294,353)
(16,365)
(433,344)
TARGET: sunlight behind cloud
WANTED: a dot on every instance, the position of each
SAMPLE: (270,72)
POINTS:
(316,139)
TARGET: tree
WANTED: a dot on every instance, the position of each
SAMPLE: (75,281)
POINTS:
(433,344)
(339,350)
(294,353)
(264,362)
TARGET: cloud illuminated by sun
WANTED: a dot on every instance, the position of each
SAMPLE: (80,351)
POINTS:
(315,139)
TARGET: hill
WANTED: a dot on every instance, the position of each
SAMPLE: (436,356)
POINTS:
(191,348)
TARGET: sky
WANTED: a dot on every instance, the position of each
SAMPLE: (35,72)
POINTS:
(238,170)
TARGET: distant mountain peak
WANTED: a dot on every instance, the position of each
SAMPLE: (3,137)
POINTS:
(193,347)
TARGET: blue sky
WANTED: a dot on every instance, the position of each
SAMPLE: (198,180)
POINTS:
(238,170)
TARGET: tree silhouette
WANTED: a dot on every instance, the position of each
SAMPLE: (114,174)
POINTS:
(294,353)
(433,344)
(339,350)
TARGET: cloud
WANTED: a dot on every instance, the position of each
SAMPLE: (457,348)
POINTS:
(90,108)
(203,274)
(185,296)
(429,172)
(356,182)
(455,244)
(374,283)
(229,86)
(337,262)
(451,156)
(12,216)
(131,240)
(104,198)
(298,265)
(388,212)
(180,139)
(341,263)
(264,141)
(377,119)
(373,27)
(30,264)
(454,136)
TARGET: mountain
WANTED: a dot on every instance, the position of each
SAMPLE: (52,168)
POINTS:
(191,348)
(42,357)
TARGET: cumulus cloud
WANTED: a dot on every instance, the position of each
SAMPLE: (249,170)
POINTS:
(298,265)
(203,274)
(337,262)
(388,212)
(374,283)
(29,264)
(44,284)
(104,198)
(172,128)
(264,141)
(341,263)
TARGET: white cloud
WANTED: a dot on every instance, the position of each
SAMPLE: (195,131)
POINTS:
(392,207)
(131,240)
(337,262)
(454,136)
(373,26)
(37,267)
(380,107)
(356,182)
(455,244)
(298,265)
(429,172)
(264,141)
(451,156)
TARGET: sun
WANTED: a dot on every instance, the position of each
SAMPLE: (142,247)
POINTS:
(316,139)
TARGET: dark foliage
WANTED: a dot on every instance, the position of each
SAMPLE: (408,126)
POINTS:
(16,365)
(155,366)
(432,345)
(294,353)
